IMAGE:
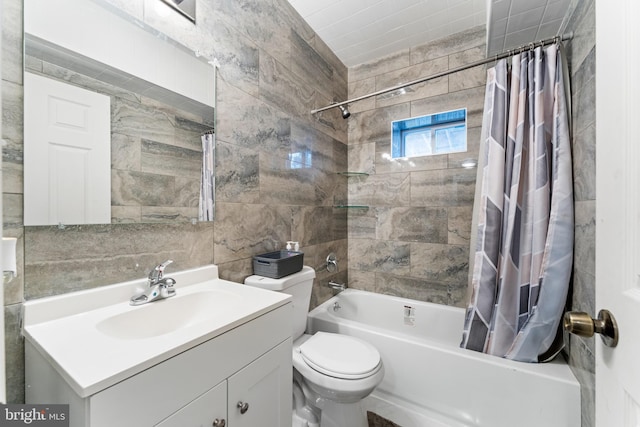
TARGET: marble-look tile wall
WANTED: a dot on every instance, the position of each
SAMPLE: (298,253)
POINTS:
(581,57)
(413,240)
(156,151)
(276,164)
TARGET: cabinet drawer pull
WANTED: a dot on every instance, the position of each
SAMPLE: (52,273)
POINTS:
(243,406)
(219,423)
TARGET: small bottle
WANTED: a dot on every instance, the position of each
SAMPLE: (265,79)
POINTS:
(296,246)
(289,245)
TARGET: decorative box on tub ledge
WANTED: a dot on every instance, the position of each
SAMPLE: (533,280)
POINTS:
(278,264)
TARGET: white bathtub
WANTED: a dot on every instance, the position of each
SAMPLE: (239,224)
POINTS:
(431,382)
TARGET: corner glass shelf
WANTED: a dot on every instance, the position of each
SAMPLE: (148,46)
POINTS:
(347,173)
(350,207)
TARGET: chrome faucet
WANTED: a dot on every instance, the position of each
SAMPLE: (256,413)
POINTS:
(159,287)
(337,287)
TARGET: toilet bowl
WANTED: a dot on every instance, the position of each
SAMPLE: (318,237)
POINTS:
(332,372)
(337,366)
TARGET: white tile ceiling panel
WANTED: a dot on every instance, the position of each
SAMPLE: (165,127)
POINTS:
(306,7)
(550,27)
(500,26)
(526,21)
(360,31)
(555,11)
(523,20)
(522,37)
(363,30)
(525,6)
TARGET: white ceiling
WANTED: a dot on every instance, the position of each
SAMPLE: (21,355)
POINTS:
(359,31)
(513,23)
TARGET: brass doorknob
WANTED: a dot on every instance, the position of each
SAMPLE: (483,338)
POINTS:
(583,325)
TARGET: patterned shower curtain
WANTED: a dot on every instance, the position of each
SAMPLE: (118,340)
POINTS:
(524,242)
(208,178)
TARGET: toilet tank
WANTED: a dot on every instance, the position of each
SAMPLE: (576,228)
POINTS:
(298,285)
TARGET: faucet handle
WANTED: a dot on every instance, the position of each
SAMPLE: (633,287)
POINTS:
(158,271)
(162,266)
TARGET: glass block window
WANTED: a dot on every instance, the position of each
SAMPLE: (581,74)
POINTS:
(440,133)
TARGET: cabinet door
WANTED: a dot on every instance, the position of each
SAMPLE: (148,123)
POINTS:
(260,393)
(203,411)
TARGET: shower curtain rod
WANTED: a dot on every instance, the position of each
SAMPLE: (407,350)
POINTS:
(496,57)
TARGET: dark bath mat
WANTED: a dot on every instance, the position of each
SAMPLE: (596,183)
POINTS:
(376,420)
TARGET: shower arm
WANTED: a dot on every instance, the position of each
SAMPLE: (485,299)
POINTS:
(508,53)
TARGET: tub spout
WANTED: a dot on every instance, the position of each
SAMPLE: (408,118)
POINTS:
(337,287)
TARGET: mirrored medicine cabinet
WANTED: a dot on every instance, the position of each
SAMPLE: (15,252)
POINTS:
(114,117)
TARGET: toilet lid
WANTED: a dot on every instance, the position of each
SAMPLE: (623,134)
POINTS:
(340,356)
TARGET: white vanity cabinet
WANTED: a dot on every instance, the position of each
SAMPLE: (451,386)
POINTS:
(250,363)
(251,397)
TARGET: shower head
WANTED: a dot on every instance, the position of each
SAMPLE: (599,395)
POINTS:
(345,112)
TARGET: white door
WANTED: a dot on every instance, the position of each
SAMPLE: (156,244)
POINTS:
(3,392)
(260,393)
(618,208)
(67,154)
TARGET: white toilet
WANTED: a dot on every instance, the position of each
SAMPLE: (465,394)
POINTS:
(332,372)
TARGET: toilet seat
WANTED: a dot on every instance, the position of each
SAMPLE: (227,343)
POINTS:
(342,390)
(340,356)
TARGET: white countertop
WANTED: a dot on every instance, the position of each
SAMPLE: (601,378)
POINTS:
(66,329)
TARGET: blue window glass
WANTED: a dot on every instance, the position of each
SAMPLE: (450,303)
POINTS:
(300,160)
(440,133)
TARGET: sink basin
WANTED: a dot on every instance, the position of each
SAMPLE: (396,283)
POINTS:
(169,315)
